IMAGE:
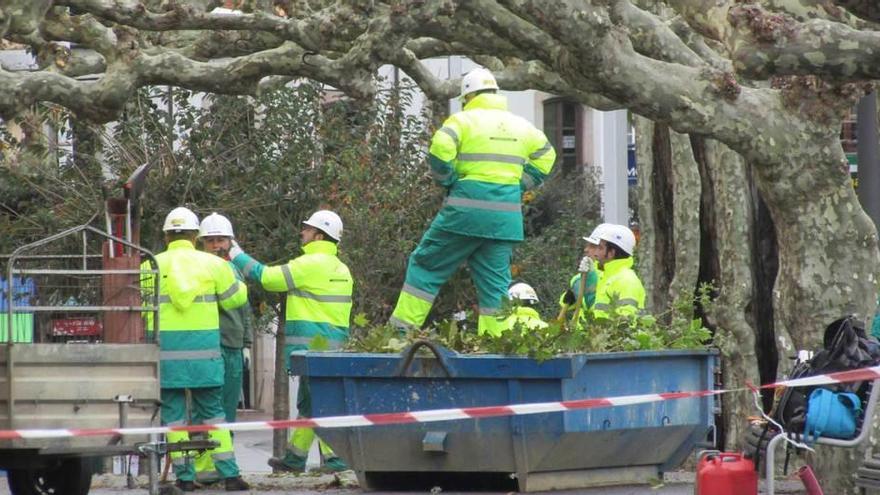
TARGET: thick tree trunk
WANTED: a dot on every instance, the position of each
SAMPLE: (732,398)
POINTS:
(685,254)
(669,182)
(725,175)
(656,224)
(646,248)
(765,265)
(816,213)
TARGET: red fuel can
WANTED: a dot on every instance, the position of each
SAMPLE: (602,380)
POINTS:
(725,473)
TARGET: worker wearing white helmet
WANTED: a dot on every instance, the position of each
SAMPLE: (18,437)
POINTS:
(619,288)
(216,235)
(485,157)
(589,271)
(524,316)
(319,289)
(194,284)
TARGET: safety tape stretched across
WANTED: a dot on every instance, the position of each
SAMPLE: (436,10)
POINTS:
(862,374)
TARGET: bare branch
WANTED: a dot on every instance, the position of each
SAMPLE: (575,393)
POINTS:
(804,10)
(22,17)
(707,17)
(102,100)
(312,32)
(866,9)
(767,44)
(651,36)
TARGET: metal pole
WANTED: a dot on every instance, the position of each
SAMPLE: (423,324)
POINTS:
(869,159)
(153,464)
(609,145)
(109,231)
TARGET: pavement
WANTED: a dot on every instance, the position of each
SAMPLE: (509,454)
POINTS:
(253,449)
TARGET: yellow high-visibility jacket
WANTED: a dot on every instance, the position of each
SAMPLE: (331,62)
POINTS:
(193,284)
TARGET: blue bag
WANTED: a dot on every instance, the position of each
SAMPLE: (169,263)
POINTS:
(831,414)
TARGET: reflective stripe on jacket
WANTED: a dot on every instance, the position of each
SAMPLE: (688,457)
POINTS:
(319,288)
(486,156)
(193,284)
(620,287)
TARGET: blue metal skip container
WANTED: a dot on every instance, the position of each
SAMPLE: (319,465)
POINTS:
(564,450)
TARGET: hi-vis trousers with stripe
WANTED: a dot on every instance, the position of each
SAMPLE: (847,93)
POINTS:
(207,408)
(436,258)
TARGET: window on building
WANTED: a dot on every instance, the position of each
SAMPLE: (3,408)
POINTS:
(563,125)
(850,142)
(848,133)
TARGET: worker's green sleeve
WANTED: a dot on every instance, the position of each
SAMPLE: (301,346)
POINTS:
(277,278)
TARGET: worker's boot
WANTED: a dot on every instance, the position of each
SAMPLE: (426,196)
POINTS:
(185,485)
(334,465)
(236,484)
(290,463)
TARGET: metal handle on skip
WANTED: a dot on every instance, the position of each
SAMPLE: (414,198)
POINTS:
(409,354)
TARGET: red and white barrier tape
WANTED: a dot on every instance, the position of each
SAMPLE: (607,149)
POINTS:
(433,415)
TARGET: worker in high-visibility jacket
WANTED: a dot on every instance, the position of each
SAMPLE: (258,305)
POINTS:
(319,289)
(192,286)
(216,235)
(619,290)
(485,157)
(588,268)
(524,316)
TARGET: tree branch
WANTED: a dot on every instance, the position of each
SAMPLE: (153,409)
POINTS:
(707,17)
(22,17)
(866,9)
(100,101)
(312,32)
(766,44)
(805,10)
(651,36)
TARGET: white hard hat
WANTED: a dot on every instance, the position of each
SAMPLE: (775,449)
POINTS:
(619,235)
(180,219)
(476,80)
(598,233)
(523,292)
(326,221)
(215,224)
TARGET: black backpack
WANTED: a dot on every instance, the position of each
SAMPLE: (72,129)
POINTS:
(846,347)
(791,409)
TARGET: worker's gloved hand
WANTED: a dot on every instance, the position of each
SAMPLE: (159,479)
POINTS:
(235,250)
(586,264)
(246,357)
(568,298)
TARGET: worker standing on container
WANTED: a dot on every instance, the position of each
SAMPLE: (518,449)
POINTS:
(193,284)
(319,288)
(619,289)
(524,315)
(216,235)
(485,157)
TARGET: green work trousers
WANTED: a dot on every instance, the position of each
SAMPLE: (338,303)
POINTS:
(233,364)
(207,408)
(436,258)
(301,438)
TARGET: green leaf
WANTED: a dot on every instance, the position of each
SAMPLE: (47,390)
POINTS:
(361,319)
(319,343)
